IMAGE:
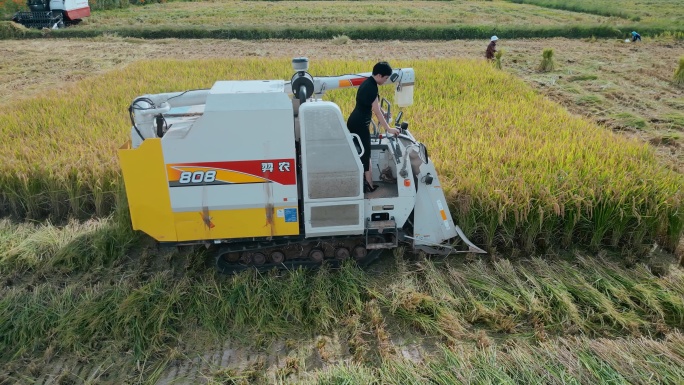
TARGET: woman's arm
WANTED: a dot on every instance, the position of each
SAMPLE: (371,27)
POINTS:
(378,114)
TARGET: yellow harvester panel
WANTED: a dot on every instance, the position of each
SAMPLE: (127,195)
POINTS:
(226,224)
(148,190)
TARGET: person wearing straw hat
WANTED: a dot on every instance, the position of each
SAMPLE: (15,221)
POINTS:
(491,48)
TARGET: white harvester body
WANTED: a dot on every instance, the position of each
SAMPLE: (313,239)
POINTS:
(245,161)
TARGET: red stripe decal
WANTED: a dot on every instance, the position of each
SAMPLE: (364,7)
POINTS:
(357,81)
(280,171)
(76,14)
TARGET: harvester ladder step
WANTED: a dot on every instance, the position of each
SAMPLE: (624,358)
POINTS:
(381,228)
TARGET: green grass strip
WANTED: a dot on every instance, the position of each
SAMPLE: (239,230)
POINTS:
(592,7)
(410,32)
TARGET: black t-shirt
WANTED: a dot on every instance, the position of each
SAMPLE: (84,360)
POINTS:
(363,111)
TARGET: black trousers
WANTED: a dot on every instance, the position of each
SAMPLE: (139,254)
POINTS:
(364,134)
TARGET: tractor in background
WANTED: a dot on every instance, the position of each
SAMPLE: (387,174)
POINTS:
(52,14)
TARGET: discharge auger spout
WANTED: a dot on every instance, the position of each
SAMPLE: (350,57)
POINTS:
(402,79)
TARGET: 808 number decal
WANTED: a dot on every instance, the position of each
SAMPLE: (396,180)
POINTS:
(187,177)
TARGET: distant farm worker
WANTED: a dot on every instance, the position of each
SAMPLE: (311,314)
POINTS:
(635,36)
(491,48)
(366,104)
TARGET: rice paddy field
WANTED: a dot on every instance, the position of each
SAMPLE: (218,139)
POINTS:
(542,174)
(380,20)
(571,179)
(322,13)
(544,180)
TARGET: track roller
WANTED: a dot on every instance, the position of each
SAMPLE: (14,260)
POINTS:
(277,257)
(359,252)
(258,259)
(246,258)
(316,255)
(341,253)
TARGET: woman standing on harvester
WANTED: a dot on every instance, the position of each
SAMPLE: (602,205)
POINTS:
(366,104)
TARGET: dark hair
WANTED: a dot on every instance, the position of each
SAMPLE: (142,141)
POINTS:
(383,68)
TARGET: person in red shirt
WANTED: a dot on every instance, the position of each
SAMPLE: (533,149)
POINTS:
(491,48)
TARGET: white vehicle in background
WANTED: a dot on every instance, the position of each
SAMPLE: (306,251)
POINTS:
(52,13)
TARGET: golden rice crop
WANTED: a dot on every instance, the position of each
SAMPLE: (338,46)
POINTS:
(678,78)
(516,168)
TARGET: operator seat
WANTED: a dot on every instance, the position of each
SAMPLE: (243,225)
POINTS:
(333,168)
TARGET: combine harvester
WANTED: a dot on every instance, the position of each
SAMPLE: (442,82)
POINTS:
(268,175)
(52,14)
